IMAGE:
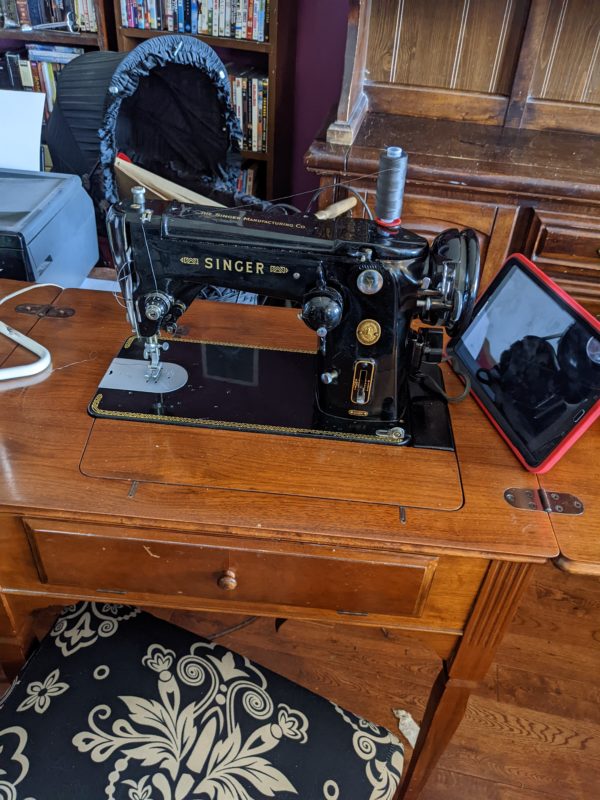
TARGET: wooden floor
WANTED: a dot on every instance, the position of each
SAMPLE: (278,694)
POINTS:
(531,733)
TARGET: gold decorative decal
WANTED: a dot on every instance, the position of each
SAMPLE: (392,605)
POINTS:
(217,264)
(368,331)
(362,382)
(355,412)
(98,411)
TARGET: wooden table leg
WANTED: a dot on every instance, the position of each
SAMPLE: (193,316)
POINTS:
(15,640)
(494,608)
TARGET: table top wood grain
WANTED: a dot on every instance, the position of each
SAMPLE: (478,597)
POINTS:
(56,460)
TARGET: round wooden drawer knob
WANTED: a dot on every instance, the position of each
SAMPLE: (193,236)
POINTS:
(227,581)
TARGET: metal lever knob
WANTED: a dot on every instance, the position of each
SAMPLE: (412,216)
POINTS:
(227,581)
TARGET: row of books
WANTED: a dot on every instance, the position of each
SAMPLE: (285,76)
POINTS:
(36,69)
(232,19)
(40,12)
(248,178)
(250,98)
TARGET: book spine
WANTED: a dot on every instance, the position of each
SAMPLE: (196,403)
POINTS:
(228,18)
(237,97)
(86,15)
(244,22)
(93,18)
(265,114)
(249,20)
(151,14)
(267,18)
(26,75)
(12,66)
(215,18)
(254,115)
(259,114)
(237,19)
(12,12)
(44,88)
(53,58)
(46,70)
(180,16)
(37,85)
(36,14)
(261,27)
(222,6)
(23,12)
(187,16)
(243,113)
(232,16)
(194,16)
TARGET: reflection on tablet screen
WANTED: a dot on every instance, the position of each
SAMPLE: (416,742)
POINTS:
(534,362)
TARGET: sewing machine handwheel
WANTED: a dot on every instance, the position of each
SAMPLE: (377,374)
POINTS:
(466,282)
(460,250)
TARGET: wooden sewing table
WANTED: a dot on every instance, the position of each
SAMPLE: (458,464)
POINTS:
(201,519)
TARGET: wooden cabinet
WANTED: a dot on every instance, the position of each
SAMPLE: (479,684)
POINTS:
(498,107)
(274,58)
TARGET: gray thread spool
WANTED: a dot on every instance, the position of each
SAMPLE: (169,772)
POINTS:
(390,184)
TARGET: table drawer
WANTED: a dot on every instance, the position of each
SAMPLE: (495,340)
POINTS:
(567,248)
(145,561)
(564,240)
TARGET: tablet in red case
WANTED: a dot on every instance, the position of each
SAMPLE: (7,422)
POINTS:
(532,354)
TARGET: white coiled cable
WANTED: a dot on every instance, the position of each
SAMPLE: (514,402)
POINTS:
(44,359)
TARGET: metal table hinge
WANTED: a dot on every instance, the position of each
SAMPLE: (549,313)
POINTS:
(541,500)
(45,310)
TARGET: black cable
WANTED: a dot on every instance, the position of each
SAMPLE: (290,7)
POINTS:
(430,383)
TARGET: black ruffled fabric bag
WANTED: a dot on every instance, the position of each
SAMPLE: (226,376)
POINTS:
(166,105)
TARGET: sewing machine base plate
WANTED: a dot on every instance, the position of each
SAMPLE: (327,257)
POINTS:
(255,389)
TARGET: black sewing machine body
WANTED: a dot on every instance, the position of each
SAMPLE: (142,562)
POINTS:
(356,284)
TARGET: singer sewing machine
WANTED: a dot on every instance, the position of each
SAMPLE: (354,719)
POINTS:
(358,284)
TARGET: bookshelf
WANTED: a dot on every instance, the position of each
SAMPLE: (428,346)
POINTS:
(31,60)
(99,40)
(275,59)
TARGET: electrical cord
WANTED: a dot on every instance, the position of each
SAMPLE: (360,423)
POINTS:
(433,385)
(44,359)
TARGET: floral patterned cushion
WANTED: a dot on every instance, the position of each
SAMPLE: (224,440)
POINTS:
(116,704)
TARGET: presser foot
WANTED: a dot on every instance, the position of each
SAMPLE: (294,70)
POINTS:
(152,350)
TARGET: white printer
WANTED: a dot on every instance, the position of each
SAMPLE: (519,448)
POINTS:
(47,228)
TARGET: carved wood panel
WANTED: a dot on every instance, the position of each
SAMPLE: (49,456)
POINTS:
(463,45)
(568,66)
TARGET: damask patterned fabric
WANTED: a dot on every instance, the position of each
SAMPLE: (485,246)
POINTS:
(118,705)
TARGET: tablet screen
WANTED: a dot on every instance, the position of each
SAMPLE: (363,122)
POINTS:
(534,361)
